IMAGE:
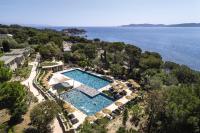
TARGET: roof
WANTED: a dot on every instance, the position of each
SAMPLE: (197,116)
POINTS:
(7,59)
(67,46)
(12,55)
(61,85)
(16,52)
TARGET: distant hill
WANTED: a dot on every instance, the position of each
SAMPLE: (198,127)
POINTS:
(163,25)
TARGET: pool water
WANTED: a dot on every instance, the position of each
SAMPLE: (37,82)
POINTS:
(87,78)
(88,105)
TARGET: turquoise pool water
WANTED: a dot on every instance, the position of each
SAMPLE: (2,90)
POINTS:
(87,78)
(88,105)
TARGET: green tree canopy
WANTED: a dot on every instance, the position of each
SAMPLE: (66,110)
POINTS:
(133,54)
(116,70)
(186,75)
(43,114)
(5,73)
(175,109)
(150,60)
(6,46)
(14,97)
(50,50)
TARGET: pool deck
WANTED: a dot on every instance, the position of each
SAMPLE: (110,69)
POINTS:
(79,114)
(88,90)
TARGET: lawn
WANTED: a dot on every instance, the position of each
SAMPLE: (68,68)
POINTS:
(23,72)
(48,63)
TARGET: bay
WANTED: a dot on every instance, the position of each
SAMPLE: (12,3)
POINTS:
(177,44)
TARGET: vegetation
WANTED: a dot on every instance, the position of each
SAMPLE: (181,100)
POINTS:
(125,117)
(95,128)
(6,46)
(175,109)
(5,73)
(124,130)
(172,91)
(49,50)
(23,72)
(48,63)
(13,96)
(43,114)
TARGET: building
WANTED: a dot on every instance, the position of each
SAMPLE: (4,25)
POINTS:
(53,66)
(67,46)
(15,58)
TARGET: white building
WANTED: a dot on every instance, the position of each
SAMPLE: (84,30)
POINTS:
(67,46)
(15,58)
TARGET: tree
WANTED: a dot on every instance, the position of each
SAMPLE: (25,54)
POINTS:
(183,110)
(150,60)
(90,51)
(67,56)
(116,70)
(186,75)
(170,65)
(5,73)
(155,110)
(43,114)
(6,46)
(125,117)
(121,130)
(133,54)
(115,48)
(136,112)
(95,128)
(174,109)
(50,50)
(14,97)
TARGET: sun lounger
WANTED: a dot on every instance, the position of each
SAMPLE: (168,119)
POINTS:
(113,114)
(121,108)
(109,117)
(111,90)
(123,93)
(71,116)
(118,111)
(74,121)
(118,96)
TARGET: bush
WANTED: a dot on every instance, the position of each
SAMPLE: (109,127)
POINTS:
(125,117)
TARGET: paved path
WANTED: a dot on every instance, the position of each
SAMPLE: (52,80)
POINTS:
(29,82)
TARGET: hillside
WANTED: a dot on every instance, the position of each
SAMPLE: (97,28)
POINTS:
(163,25)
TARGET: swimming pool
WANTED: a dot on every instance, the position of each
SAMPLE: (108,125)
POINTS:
(88,105)
(87,78)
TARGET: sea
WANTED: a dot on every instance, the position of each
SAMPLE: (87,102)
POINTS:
(177,44)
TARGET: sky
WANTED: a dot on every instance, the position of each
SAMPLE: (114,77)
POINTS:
(98,12)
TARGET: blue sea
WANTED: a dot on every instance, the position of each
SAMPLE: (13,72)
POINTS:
(180,45)
(177,44)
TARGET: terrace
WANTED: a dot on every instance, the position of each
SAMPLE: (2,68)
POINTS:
(87,90)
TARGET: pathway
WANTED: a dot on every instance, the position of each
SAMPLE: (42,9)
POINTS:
(29,82)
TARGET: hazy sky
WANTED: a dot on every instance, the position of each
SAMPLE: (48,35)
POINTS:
(98,12)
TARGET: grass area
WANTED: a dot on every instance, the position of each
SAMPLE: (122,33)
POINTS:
(23,72)
(99,127)
(32,57)
(1,53)
(48,63)
(108,93)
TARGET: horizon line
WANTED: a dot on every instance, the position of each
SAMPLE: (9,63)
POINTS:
(50,25)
